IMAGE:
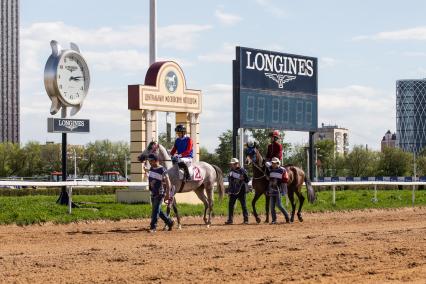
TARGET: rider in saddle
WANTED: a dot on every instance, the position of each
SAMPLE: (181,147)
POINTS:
(275,149)
(277,176)
(237,189)
(183,148)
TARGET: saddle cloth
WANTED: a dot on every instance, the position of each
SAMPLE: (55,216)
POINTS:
(194,173)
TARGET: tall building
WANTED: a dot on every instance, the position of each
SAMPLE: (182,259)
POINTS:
(339,135)
(389,140)
(411,114)
(9,71)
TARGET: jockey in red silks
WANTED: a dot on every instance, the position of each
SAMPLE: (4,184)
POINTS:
(183,149)
(275,149)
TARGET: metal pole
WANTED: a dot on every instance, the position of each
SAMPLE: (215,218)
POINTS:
(75,164)
(70,200)
(153,48)
(311,155)
(125,167)
(413,194)
(375,194)
(308,163)
(334,195)
(241,152)
(152,31)
(316,163)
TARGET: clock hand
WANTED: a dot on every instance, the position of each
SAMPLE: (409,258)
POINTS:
(76,78)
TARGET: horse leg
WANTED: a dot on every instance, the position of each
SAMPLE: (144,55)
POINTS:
(200,193)
(267,199)
(175,209)
(293,204)
(301,200)
(209,191)
(253,204)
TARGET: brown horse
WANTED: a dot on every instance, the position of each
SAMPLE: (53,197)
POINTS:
(261,182)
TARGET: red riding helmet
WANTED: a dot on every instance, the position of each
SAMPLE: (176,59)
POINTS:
(275,133)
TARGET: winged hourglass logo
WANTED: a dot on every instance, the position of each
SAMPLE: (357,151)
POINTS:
(280,79)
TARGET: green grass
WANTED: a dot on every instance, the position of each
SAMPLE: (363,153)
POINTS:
(25,210)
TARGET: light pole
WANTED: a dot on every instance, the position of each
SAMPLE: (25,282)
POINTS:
(75,164)
(125,167)
(316,163)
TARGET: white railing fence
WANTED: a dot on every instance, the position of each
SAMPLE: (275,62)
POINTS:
(70,184)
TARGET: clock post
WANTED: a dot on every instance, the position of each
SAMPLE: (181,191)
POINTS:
(67,80)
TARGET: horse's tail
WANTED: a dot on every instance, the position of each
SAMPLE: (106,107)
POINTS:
(310,190)
(219,181)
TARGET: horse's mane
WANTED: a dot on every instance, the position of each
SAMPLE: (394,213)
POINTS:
(163,152)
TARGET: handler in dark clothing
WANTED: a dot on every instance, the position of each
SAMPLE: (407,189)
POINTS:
(238,180)
(157,178)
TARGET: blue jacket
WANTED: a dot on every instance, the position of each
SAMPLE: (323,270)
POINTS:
(183,146)
(235,183)
(276,177)
(155,179)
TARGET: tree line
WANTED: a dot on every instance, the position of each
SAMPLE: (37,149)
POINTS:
(34,159)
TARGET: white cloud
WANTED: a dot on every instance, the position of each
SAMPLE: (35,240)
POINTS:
(225,55)
(327,62)
(181,37)
(367,112)
(272,8)
(226,18)
(414,54)
(417,33)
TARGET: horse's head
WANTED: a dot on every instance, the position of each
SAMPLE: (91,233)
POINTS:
(252,153)
(153,148)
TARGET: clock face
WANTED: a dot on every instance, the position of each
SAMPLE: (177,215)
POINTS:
(72,78)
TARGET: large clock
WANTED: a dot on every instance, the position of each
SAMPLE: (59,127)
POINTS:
(66,78)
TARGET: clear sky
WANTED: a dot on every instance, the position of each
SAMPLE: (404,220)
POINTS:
(363,47)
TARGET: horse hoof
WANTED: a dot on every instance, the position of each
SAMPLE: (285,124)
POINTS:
(258,220)
(180,227)
(300,218)
(292,219)
(208,226)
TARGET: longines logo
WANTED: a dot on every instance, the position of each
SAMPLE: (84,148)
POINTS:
(281,69)
(71,124)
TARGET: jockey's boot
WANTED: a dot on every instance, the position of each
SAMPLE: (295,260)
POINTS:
(186,171)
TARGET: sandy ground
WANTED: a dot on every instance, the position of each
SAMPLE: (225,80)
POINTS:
(373,246)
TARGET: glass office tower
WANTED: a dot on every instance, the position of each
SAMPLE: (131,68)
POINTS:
(411,114)
(9,71)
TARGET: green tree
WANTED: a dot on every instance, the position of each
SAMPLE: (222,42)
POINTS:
(362,162)
(394,162)
(50,158)
(326,156)
(224,150)
(208,157)
(32,160)
(162,139)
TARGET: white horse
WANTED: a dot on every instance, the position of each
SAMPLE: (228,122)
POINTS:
(211,174)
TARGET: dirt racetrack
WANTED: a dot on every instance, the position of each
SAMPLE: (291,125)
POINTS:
(372,246)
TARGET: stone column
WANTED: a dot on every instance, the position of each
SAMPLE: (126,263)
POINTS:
(137,143)
(195,134)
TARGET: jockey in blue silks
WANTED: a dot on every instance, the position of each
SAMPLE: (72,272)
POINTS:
(183,149)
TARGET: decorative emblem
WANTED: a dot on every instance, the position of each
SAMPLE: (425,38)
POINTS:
(171,81)
(280,79)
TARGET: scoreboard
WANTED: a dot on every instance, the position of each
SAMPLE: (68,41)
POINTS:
(274,90)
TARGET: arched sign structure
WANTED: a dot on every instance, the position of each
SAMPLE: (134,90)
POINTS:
(164,90)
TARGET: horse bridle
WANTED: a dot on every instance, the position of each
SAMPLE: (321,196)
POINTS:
(259,168)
